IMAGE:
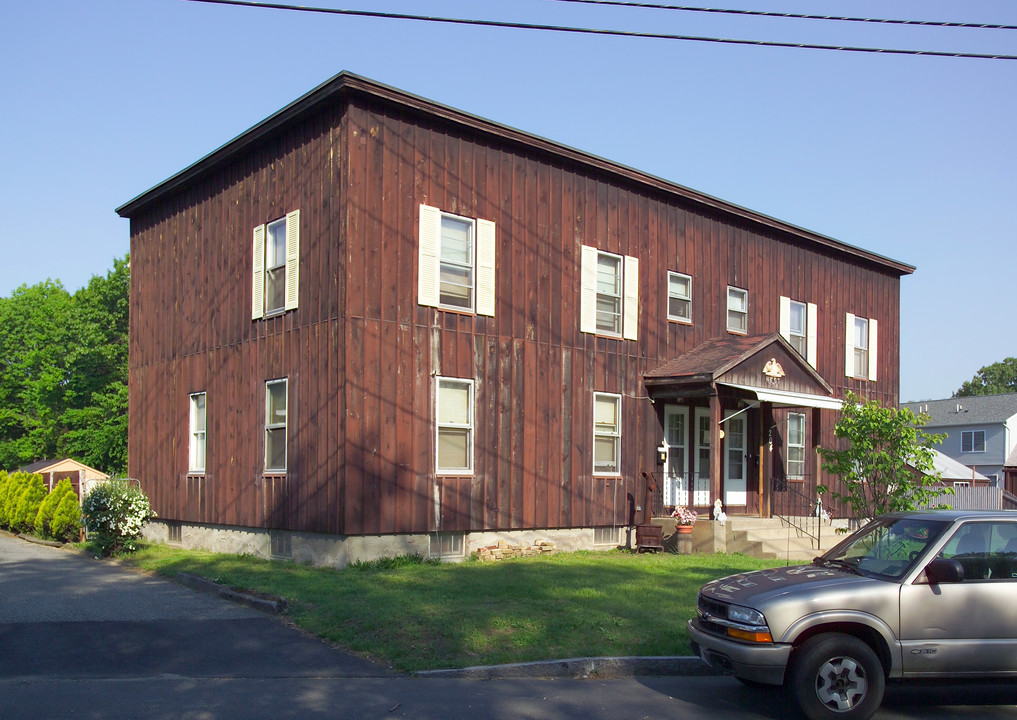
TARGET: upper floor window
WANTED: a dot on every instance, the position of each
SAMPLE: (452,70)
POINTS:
(456,263)
(276,401)
(196,442)
(454,413)
(798,325)
(609,294)
(860,351)
(276,268)
(737,310)
(973,441)
(606,434)
(679,297)
(796,445)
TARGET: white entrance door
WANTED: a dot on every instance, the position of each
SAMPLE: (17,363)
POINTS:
(676,466)
(734,471)
(701,459)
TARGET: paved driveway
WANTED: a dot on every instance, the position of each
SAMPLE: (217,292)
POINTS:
(64,615)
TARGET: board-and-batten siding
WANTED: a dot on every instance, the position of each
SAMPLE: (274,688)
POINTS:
(361,353)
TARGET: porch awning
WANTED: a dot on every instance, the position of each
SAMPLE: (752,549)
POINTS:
(789,399)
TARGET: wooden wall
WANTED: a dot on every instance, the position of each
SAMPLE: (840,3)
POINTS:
(361,355)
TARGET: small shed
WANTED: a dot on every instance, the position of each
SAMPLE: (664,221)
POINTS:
(82,476)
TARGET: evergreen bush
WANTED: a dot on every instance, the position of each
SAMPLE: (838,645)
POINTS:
(45,521)
(66,524)
(115,511)
(5,491)
(27,506)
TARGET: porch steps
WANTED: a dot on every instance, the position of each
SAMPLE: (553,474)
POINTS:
(773,538)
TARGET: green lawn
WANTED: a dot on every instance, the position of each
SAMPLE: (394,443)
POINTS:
(417,615)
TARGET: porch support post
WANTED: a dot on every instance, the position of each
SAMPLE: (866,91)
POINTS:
(765,491)
(716,415)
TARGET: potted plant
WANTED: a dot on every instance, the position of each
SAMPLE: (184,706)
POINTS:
(684,519)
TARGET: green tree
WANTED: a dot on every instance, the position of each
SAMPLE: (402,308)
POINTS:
(995,379)
(884,459)
(96,398)
(33,345)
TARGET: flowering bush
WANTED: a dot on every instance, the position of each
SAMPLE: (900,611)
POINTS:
(115,511)
(684,516)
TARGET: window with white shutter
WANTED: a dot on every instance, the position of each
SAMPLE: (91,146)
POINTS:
(798,325)
(456,262)
(860,352)
(276,267)
(609,294)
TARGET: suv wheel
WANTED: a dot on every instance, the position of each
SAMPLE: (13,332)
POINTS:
(837,677)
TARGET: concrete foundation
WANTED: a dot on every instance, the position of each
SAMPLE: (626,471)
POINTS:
(338,551)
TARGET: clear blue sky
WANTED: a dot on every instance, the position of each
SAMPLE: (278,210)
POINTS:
(914,158)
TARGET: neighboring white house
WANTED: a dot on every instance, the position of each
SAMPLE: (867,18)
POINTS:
(981,430)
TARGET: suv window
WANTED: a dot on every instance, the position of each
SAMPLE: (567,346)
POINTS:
(986,550)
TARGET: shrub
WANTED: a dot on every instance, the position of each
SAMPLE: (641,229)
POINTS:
(45,520)
(28,502)
(5,491)
(66,524)
(115,511)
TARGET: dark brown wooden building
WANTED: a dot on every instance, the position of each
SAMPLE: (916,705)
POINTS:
(375,321)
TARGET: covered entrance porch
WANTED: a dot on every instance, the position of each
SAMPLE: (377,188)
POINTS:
(740,419)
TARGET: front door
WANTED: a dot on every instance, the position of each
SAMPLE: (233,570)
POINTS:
(701,459)
(676,463)
(735,485)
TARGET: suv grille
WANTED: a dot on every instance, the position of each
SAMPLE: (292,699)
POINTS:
(711,608)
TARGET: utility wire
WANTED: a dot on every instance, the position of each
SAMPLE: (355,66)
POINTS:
(796,16)
(595,31)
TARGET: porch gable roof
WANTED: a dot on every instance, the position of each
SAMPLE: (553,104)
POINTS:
(766,365)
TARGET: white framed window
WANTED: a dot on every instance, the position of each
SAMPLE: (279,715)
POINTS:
(796,445)
(860,351)
(679,297)
(197,435)
(447,545)
(276,267)
(456,262)
(737,310)
(276,416)
(454,415)
(973,441)
(606,434)
(609,294)
(799,323)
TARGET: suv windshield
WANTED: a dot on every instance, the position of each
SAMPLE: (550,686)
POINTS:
(887,547)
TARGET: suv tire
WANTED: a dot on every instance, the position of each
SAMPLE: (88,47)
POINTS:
(837,677)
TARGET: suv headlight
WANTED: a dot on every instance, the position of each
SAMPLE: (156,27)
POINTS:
(745,616)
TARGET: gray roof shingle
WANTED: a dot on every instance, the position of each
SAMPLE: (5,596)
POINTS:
(974,410)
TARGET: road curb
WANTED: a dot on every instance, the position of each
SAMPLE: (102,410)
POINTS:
(602,667)
(269,605)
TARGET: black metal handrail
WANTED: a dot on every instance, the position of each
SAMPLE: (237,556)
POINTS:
(796,509)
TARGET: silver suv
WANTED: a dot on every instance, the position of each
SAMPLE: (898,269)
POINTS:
(910,595)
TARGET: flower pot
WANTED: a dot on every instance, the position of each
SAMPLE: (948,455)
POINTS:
(683,529)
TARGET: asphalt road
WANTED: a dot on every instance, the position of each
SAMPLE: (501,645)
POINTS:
(81,638)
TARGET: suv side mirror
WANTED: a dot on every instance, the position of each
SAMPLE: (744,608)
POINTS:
(942,570)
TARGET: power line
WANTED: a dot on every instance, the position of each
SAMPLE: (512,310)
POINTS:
(596,31)
(796,16)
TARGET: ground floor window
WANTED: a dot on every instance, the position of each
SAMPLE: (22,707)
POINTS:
(606,434)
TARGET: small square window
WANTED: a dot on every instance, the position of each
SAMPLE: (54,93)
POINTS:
(447,545)
(282,543)
(679,297)
(606,535)
(973,441)
(737,310)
